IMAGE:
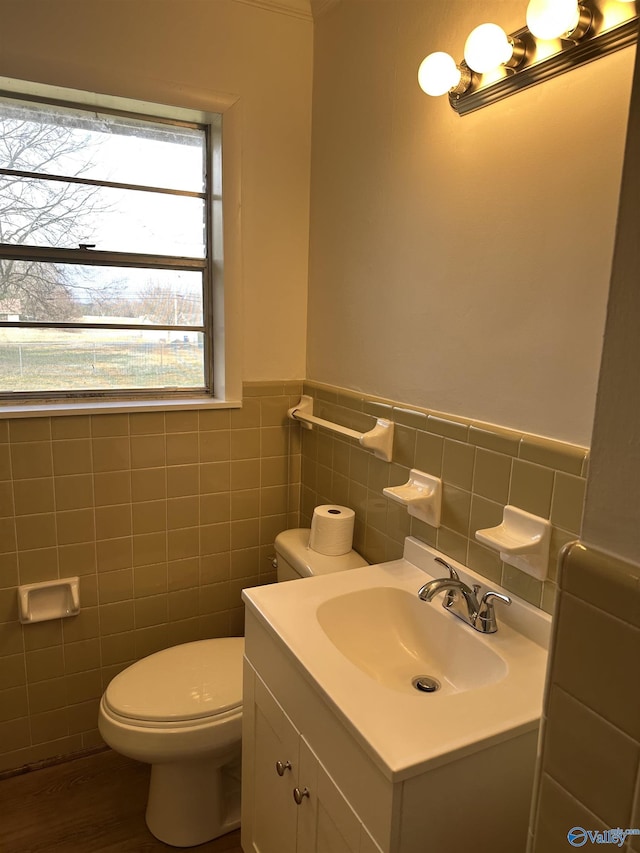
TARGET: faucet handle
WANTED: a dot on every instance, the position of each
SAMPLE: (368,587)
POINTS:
(486,619)
(486,598)
(452,572)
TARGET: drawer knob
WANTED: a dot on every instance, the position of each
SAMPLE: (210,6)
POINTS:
(280,767)
(299,795)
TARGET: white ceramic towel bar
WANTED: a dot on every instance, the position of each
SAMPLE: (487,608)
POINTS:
(379,439)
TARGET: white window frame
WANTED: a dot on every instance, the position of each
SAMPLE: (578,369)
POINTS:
(226,296)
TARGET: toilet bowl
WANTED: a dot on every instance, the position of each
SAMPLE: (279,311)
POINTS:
(180,710)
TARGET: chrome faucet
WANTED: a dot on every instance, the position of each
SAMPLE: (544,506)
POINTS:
(462,600)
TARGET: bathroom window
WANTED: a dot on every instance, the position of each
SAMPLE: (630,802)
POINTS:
(110,249)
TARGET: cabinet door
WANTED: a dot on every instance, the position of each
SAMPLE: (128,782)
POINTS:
(275,776)
(326,821)
(367,844)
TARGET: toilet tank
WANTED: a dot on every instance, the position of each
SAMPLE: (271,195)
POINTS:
(296,560)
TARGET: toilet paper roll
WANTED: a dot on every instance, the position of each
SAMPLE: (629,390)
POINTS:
(332,530)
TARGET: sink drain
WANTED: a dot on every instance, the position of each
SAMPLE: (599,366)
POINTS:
(426,683)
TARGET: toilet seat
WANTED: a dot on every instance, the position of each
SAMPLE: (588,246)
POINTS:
(185,685)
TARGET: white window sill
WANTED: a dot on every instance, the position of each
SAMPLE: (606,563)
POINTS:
(61,408)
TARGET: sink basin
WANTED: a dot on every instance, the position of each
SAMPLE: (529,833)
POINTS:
(392,636)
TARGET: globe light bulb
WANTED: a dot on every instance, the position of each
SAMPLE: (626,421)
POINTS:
(487,47)
(552,19)
(438,74)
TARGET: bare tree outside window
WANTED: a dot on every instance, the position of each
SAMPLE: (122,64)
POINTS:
(50,212)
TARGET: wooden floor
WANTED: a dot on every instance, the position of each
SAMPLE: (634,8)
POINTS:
(93,804)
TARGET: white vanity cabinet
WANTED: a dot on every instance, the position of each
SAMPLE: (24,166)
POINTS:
(386,771)
(291,804)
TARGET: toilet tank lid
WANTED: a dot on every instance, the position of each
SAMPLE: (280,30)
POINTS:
(186,682)
(293,545)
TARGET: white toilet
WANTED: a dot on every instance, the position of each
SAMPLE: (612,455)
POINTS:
(180,710)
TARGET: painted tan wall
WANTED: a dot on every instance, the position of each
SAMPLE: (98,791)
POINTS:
(180,52)
(461,264)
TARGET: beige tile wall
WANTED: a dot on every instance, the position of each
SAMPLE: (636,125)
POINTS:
(483,468)
(590,760)
(165,518)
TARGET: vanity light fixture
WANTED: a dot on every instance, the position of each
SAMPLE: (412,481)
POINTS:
(560,35)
